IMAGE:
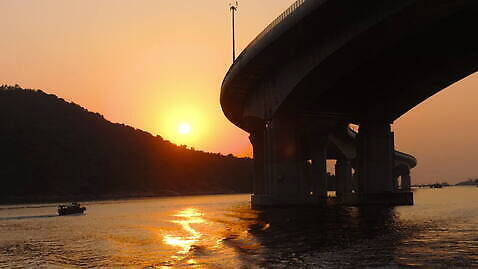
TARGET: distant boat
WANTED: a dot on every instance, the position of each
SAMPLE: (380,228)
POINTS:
(436,185)
(73,208)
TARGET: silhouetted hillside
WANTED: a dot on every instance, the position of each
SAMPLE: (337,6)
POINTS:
(469,182)
(52,148)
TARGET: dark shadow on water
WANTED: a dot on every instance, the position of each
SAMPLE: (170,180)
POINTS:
(334,235)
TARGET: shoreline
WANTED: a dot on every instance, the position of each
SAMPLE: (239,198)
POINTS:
(55,199)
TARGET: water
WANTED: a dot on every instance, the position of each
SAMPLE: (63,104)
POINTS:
(440,231)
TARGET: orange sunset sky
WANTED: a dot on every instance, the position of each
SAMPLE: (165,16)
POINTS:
(158,65)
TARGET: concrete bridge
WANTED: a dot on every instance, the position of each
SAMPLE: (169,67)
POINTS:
(324,64)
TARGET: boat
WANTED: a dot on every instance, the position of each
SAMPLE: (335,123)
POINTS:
(73,208)
(436,186)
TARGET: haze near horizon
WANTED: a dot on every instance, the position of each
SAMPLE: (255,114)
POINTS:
(158,66)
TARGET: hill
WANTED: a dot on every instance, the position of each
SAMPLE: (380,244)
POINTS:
(468,182)
(55,150)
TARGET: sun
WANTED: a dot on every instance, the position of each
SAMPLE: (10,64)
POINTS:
(184,128)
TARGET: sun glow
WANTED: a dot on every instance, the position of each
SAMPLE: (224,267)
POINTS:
(184,124)
(184,128)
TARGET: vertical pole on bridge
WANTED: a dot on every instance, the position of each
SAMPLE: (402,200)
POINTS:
(233,7)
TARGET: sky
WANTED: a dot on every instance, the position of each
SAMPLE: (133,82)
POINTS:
(158,65)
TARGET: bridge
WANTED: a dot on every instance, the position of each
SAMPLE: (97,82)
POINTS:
(325,64)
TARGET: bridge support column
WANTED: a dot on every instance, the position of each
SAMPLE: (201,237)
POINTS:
(375,167)
(396,186)
(284,166)
(402,171)
(406,180)
(376,153)
(318,169)
(258,148)
(343,176)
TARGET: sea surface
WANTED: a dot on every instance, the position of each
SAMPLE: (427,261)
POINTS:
(222,231)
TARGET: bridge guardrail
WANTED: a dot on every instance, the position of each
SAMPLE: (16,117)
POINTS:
(281,17)
(276,21)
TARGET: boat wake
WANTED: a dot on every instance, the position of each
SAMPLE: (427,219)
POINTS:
(28,217)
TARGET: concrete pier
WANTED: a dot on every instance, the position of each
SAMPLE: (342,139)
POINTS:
(406,180)
(375,167)
(318,168)
(290,166)
(343,175)
(285,177)
(258,146)
(375,149)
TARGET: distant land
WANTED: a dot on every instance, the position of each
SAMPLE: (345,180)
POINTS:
(53,150)
(469,182)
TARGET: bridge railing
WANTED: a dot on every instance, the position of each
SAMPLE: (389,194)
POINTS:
(281,17)
(277,20)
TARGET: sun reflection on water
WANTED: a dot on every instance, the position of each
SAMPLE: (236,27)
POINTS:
(199,235)
(185,241)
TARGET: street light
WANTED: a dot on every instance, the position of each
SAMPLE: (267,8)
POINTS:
(233,7)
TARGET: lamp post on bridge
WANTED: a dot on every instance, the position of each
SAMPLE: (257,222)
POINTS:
(233,7)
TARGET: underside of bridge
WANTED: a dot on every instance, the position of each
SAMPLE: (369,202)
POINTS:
(328,63)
